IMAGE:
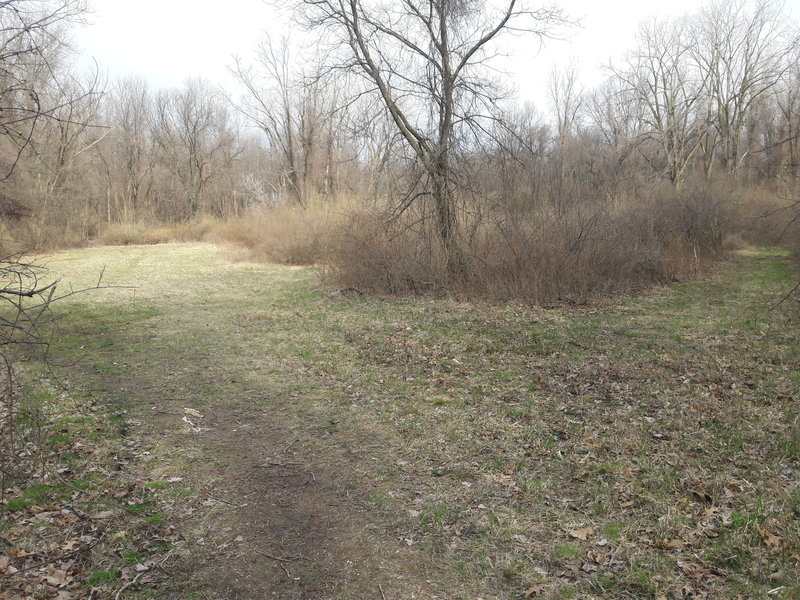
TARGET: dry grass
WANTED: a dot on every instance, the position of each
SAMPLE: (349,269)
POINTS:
(287,235)
(130,234)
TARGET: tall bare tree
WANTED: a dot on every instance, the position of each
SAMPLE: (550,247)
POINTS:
(296,110)
(194,132)
(615,123)
(566,97)
(787,103)
(669,87)
(740,47)
(32,41)
(129,152)
(427,59)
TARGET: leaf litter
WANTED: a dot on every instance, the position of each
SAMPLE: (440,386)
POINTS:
(61,522)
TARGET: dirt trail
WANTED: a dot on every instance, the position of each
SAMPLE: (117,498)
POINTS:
(274,516)
(279,510)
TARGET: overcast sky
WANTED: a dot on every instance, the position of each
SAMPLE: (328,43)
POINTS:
(169,41)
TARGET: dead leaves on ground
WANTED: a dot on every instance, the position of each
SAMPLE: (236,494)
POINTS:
(676,441)
(581,534)
(82,531)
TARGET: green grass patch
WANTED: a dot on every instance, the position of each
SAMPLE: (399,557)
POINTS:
(107,577)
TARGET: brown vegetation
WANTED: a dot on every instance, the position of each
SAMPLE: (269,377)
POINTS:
(677,158)
(568,255)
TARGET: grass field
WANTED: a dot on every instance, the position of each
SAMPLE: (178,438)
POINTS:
(355,447)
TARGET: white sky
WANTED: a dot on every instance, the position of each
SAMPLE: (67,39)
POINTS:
(169,41)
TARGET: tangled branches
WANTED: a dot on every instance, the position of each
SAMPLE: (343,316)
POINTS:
(25,299)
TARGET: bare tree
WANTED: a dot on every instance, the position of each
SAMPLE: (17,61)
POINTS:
(427,59)
(194,132)
(375,141)
(62,143)
(273,91)
(129,152)
(667,84)
(615,123)
(31,40)
(787,102)
(297,112)
(31,43)
(567,97)
(740,50)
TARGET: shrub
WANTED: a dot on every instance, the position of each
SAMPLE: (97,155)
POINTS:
(539,255)
(287,235)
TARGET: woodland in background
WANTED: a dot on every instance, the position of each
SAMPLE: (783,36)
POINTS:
(690,147)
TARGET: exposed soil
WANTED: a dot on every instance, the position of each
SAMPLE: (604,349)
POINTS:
(273,517)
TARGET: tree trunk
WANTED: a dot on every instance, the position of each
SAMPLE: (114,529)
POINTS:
(446,225)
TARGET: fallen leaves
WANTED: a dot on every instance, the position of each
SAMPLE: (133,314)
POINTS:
(55,577)
(54,519)
(672,544)
(771,537)
(582,534)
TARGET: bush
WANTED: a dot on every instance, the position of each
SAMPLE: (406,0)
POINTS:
(540,255)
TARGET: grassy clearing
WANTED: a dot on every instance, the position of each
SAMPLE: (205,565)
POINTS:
(647,448)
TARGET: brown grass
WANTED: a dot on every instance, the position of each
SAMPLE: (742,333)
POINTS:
(134,234)
(288,235)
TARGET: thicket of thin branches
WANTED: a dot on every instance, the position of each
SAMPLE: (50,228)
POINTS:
(25,331)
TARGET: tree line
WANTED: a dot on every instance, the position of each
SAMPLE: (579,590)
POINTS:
(399,107)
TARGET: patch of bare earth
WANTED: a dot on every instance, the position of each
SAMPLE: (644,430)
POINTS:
(273,519)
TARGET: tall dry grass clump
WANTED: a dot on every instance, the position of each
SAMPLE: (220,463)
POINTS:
(289,235)
(140,233)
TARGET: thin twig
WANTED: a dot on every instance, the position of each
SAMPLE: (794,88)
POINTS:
(786,297)
(223,501)
(380,587)
(166,558)
(286,559)
(66,556)
(131,583)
